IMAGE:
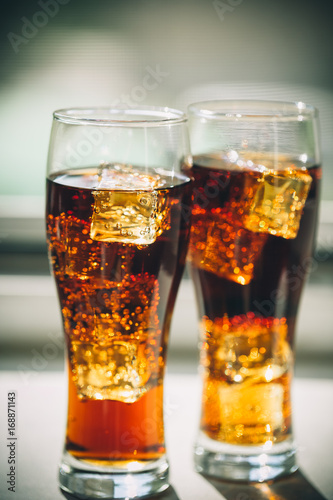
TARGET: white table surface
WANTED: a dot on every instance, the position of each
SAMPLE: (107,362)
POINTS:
(41,409)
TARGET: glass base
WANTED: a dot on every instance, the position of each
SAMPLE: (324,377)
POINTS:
(244,463)
(86,480)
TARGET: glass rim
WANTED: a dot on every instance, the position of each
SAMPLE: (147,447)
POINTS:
(219,109)
(140,116)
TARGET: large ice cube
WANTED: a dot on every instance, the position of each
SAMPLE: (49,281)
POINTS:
(222,246)
(278,202)
(253,405)
(117,369)
(231,250)
(247,363)
(126,206)
(247,347)
(113,337)
(126,177)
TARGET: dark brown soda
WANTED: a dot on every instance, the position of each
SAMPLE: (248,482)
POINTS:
(248,284)
(116,300)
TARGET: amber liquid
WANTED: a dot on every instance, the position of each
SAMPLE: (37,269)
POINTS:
(116,299)
(251,246)
(111,432)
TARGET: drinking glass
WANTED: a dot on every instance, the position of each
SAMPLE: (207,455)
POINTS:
(117,244)
(256,171)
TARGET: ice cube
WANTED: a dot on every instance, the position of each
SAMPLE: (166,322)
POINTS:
(113,337)
(247,361)
(227,249)
(231,251)
(247,347)
(126,208)
(278,202)
(219,242)
(253,405)
(124,217)
(116,370)
(126,177)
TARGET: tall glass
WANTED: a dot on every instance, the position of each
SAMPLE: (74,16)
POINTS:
(256,171)
(117,245)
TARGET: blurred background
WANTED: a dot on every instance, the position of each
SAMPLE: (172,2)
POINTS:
(68,53)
